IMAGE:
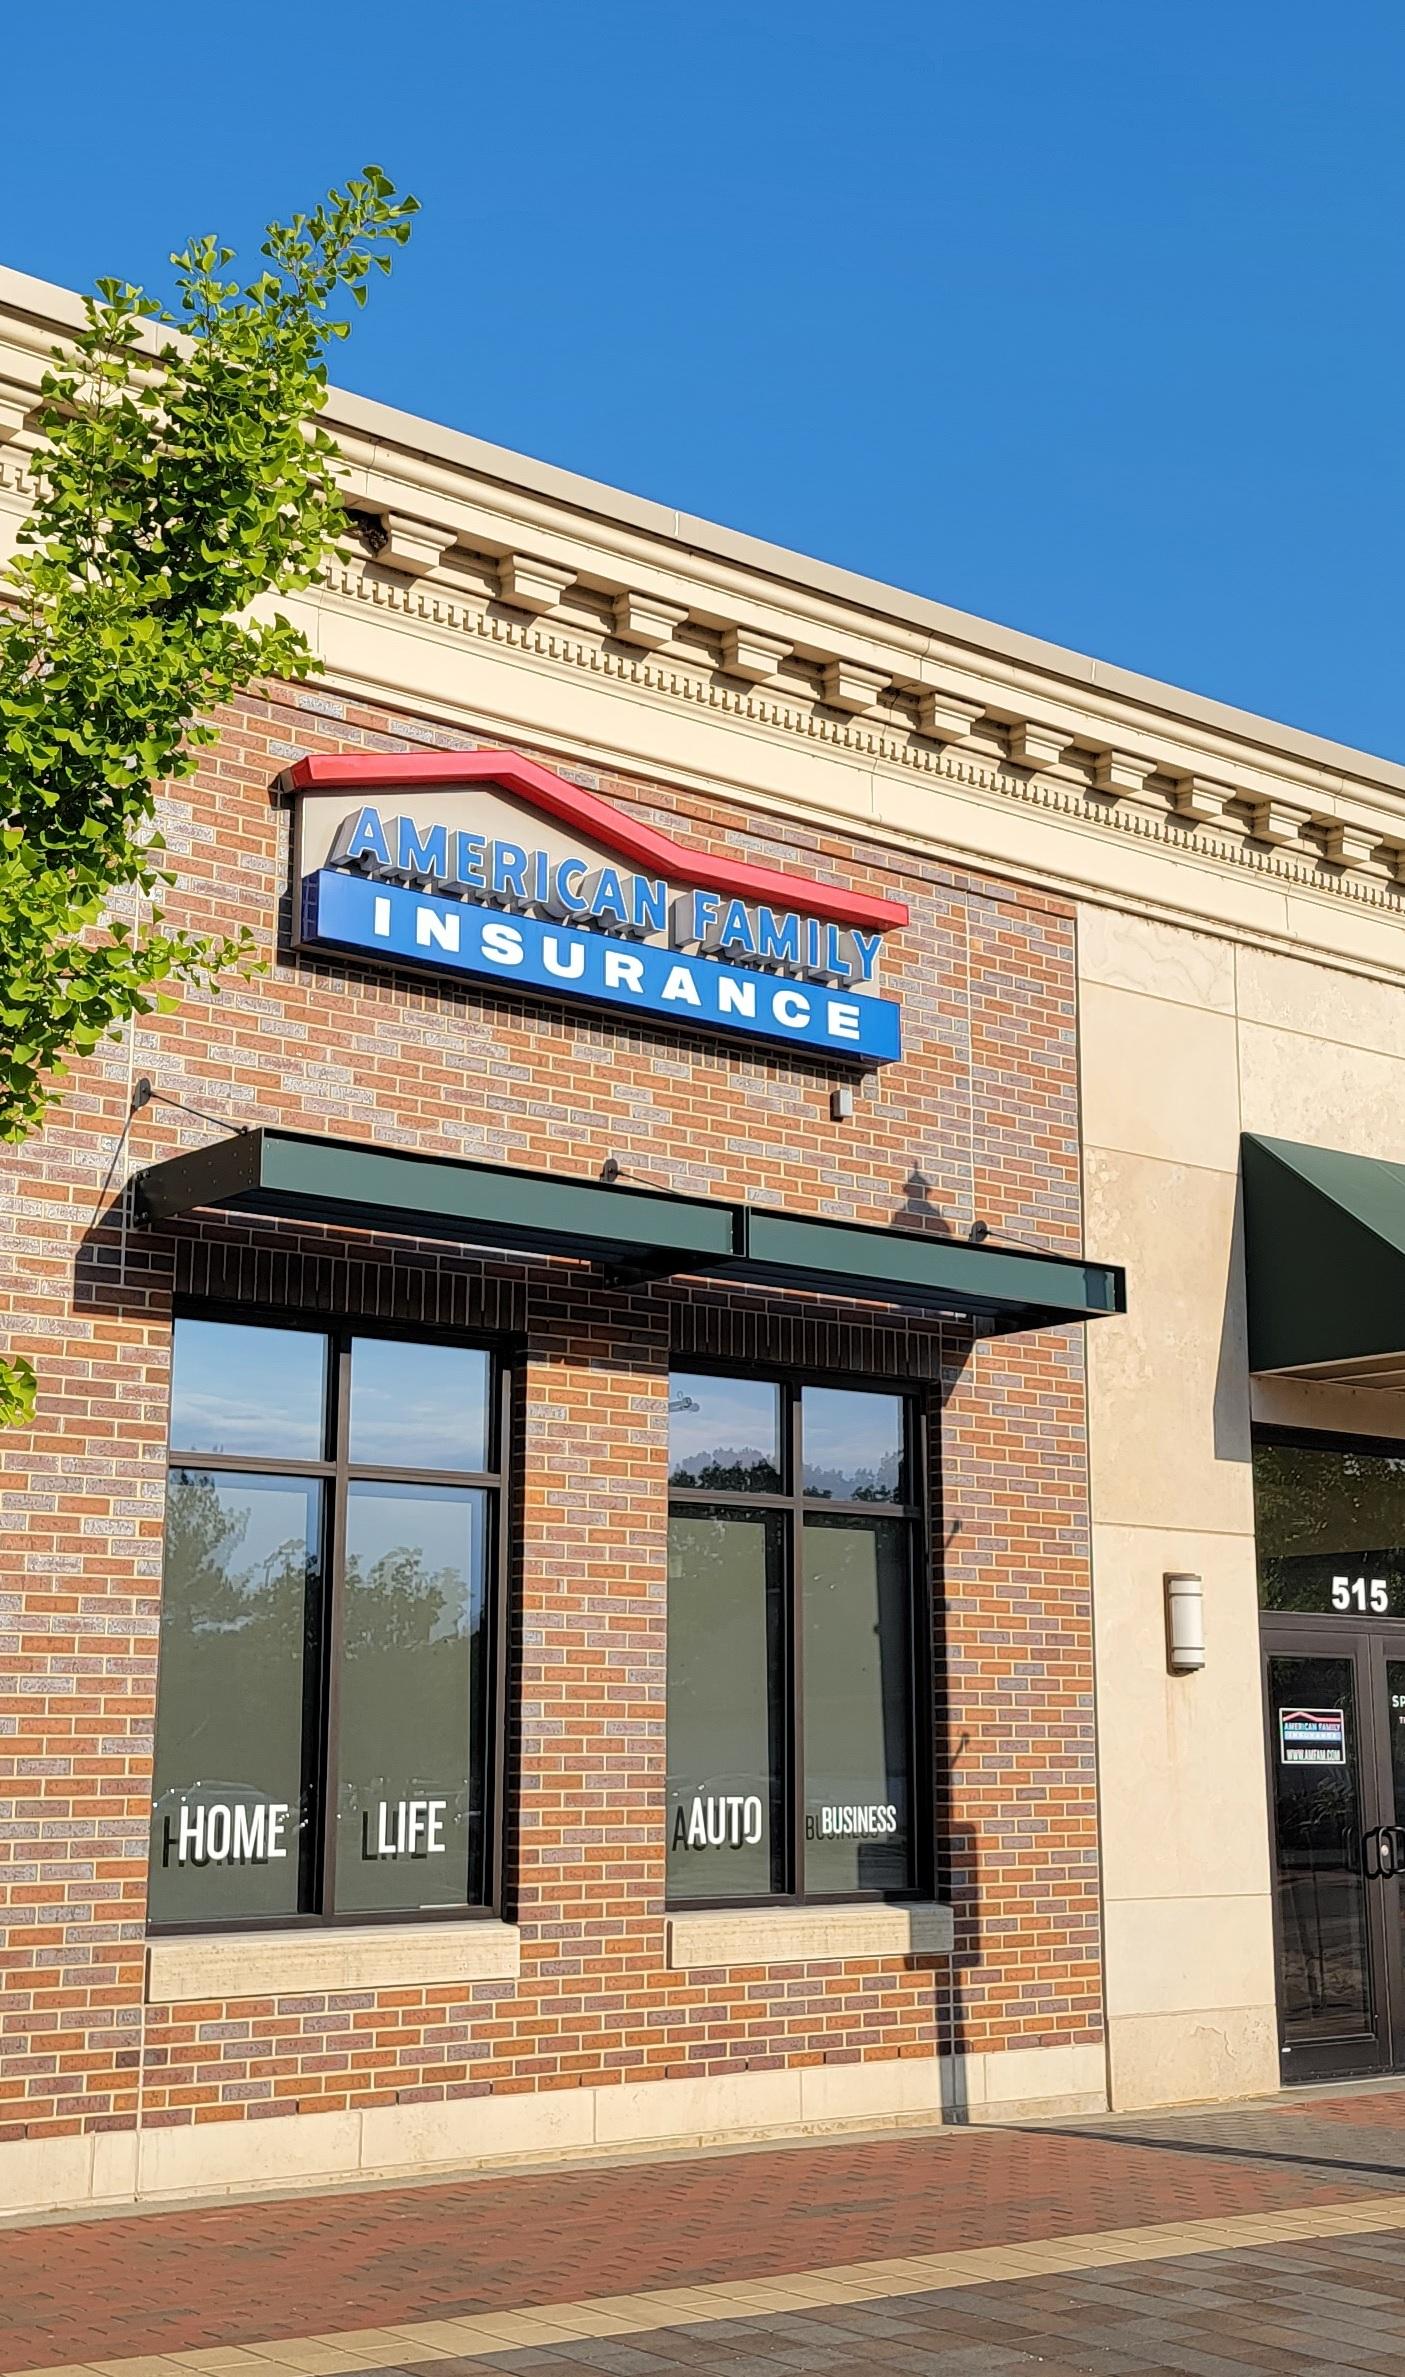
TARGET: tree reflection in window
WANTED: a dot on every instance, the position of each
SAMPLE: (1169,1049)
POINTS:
(796,1754)
(240,1640)
(325,1628)
(411,1685)
(1324,1511)
(724,1434)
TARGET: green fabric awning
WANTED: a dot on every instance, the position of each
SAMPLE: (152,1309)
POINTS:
(1324,1253)
(633,1233)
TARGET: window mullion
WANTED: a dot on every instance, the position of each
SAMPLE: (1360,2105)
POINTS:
(795,1566)
(924,1665)
(501,1503)
(332,1624)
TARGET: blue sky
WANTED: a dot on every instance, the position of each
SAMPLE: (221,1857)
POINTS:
(1085,317)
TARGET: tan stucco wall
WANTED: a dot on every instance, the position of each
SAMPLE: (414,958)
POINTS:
(1187,1039)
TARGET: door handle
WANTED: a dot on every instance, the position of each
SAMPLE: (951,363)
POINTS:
(1383,1852)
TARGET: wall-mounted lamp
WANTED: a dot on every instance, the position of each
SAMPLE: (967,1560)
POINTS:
(841,1104)
(1185,1624)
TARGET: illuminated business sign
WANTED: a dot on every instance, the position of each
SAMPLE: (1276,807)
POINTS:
(486,866)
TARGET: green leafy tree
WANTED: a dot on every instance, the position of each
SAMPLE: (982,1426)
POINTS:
(183,475)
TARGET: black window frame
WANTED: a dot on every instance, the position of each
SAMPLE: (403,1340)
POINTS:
(336,1474)
(793,1505)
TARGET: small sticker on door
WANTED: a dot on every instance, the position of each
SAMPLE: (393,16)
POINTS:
(1312,1736)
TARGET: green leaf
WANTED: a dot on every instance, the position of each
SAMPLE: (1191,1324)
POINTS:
(176,484)
(18,1389)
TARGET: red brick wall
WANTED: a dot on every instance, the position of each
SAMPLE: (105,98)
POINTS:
(978,1121)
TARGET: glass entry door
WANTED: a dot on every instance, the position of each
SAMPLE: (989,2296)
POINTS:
(1329,2005)
(1335,1720)
(1329,1518)
(1386,1854)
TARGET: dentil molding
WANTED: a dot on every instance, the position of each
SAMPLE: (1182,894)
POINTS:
(462,546)
(923,731)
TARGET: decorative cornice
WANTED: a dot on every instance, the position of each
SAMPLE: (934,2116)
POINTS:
(748,654)
(848,685)
(1197,798)
(1035,746)
(582,578)
(1293,842)
(16,485)
(1349,846)
(612,540)
(944,717)
(529,584)
(1116,772)
(646,620)
(1276,822)
(414,546)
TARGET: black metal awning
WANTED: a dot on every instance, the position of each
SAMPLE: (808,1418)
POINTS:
(633,1233)
(1324,1257)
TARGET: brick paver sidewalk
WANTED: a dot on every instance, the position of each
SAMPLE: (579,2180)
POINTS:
(237,2275)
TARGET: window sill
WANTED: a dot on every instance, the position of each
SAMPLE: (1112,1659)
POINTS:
(805,1935)
(225,1965)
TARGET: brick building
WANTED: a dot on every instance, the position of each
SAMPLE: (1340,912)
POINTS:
(550,1602)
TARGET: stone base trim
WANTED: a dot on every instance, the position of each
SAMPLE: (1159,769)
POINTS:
(393,2141)
(805,1935)
(1211,2056)
(1015,2082)
(205,1967)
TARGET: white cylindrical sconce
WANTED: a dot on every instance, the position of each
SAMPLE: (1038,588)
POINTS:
(1185,1624)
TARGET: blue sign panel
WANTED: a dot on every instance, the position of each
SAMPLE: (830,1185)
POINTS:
(389,920)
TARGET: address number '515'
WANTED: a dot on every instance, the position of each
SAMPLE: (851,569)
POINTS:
(1355,1592)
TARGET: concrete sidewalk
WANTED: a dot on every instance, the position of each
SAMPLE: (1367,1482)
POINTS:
(1266,2236)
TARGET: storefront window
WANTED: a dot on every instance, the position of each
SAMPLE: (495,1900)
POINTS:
(236,1741)
(724,1435)
(410,1702)
(854,1444)
(1329,1521)
(857,1670)
(325,1702)
(726,1736)
(794,1741)
(251,1392)
(416,1406)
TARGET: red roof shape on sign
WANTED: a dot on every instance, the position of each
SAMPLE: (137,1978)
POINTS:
(540,788)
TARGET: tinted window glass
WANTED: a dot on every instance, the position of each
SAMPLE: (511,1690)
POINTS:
(248,1391)
(724,1434)
(1324,1964)
(858,1697)
(853,1445)
(411,1742)
(724,1706)
(418,1406)
(795,1745)
(1330,1527)
(237,1695)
